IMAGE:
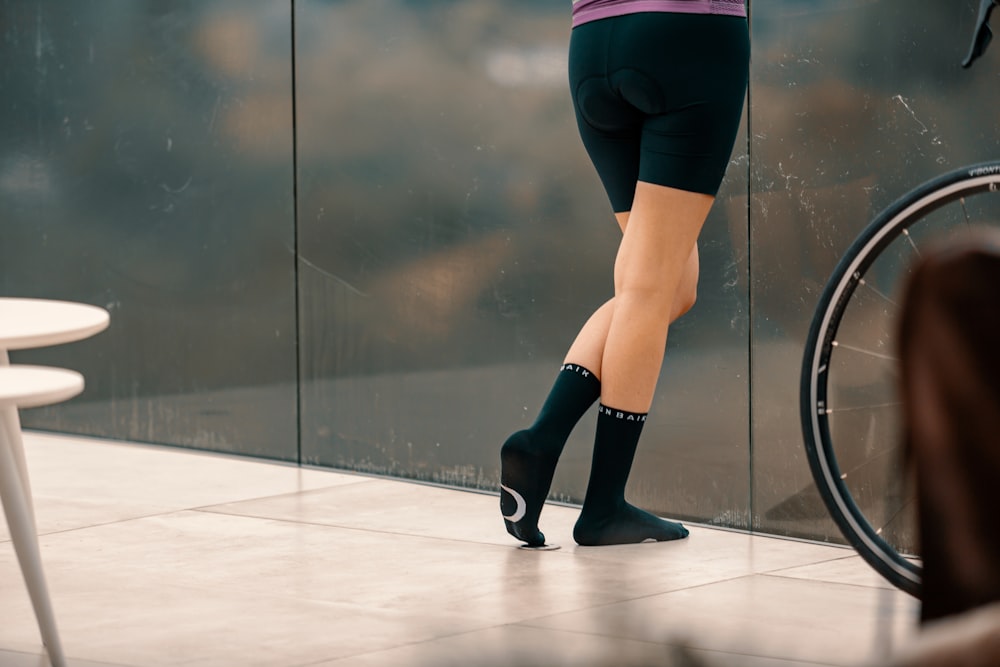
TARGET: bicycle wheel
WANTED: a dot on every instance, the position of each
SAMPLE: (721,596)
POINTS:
(849,405)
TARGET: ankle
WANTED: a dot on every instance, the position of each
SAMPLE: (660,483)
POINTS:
(602,510)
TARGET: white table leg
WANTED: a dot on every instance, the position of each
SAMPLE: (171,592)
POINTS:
(9,415)
(17,506)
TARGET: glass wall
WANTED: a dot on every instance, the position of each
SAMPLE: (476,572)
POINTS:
(146,167)
(854,102)
(362,233)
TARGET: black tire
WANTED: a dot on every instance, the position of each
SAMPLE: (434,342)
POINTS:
(953,190)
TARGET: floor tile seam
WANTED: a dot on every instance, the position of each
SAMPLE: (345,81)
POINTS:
(212,510)
(688,640)
(820,580)
(382,611)
(668,639)
(826,544)
(394,647)
(208,509)
(813,563)
(725,580)
(673,640)
(177,510)
(102,524)
(612,603)
(70,658)
(166,511)
(792,662)
(472,631)
(181,512)
(283,494)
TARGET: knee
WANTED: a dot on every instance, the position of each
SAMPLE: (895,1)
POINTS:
(653,301)
(657,302)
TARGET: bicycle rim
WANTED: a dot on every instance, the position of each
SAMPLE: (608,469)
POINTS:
(849,408)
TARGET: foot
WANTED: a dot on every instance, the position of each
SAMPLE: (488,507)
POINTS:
(625,525)
(525,478)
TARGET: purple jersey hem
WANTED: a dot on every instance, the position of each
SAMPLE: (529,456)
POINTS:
(586,15)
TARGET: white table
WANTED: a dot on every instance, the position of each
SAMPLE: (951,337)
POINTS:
(27,323)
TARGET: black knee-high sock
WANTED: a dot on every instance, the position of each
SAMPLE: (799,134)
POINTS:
(528,458)
(606,518)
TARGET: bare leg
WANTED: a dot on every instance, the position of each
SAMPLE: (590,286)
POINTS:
(652,265)
(655,276)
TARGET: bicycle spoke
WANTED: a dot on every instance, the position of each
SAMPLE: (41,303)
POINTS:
(869,462)
(860,350)
(864,283)
(906,233)
(877,406)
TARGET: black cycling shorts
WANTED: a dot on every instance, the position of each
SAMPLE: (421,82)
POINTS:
(659,97)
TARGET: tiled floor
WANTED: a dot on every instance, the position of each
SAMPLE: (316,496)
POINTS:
(158,556)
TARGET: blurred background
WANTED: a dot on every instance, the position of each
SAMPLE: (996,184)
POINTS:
(362,233)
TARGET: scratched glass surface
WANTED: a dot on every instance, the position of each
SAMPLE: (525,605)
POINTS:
(146,166)
(854,103)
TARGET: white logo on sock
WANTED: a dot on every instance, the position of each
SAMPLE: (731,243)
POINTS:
(522,507)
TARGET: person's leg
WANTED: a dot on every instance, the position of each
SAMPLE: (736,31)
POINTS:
(653,283)
(685,76)
(529,457)
(650,268)
(613,131)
